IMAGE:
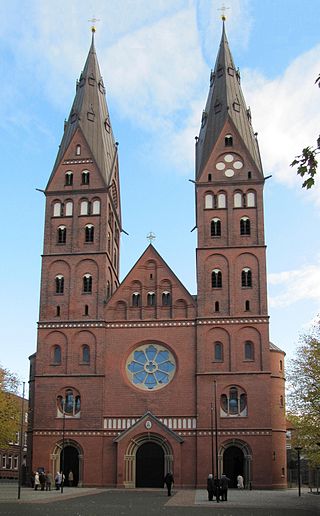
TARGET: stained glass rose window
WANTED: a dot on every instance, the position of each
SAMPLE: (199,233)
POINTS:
(150,367)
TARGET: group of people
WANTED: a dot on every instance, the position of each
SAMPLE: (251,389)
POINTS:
(218,487)
(41,479)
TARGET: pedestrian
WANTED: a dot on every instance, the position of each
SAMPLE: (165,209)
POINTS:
(240,484)
(224,483)
(169,480)
(32,479)
(58,480)
(36,481)
(42,479)
(48,481)
(216,489)
(70,479)
(210,487)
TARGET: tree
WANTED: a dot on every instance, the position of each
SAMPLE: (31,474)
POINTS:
(307,161)
(304,394)
(9,407)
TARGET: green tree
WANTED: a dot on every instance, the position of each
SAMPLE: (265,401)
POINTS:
(9,407)
(303,398)
(307,161)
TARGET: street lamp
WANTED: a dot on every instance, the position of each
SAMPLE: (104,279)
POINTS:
(216,435)
(298,449)
(21,441)
(63,401)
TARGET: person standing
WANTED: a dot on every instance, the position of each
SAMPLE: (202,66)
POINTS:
(42,479)
(168,480)
(58,480)
(70,479)
(224,483)
(240,484)
(36,481)
(210,487)
(216,489)
(48,481)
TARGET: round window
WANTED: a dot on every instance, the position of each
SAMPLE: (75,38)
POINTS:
(150,367)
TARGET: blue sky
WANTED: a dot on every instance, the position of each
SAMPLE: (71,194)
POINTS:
(155,58)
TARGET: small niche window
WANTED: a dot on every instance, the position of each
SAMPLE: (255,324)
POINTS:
(249,175)
(245,226)
(233,402)
(84,208)
(281,401)
(85,354)
(246,278)
(96,207)
(216,278)
(151,299)
(62,234)
(281,365)
(216,306)
(89,233)
(59,281)
(58,311)
(86,309)
(78,150)
(69,208)
(135,299)
(218,351)
(87,284)
(57,209)
(248,350)
(228,140)
(85,177)
(216,228)
(56,354)
(247,306)
(68,178)
(166,298)
(209,177)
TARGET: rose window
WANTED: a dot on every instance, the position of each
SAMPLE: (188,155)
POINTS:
(151,367)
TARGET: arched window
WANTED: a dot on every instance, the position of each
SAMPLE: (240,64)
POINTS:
(85,177)
(68,178)
(216,228)
(208,201)
(166,298)
(248,350)
(96,207)
(89,233)
(216,278)
(87,283)
(218,351)
(84,208)
(69,208)
(57,209)
(69,403)
(85,354)
(151,299)
(233,402)
(78,150)
(237,200)
(246,277)
(59,284)
(56,354)
(62,235)
(222,200)
(135,299)
(251,200)
(228,140)
(244,226)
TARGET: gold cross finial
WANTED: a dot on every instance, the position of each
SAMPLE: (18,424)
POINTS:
(93,22)
(151,236)
(223,10)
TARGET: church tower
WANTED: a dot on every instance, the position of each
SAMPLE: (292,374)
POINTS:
(233,350)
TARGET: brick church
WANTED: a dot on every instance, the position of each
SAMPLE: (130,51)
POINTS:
(132,379)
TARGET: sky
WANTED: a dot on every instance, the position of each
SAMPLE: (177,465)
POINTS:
(155,58)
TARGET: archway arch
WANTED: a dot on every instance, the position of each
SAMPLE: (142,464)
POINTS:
(235,459)
(142,450)
(73,460)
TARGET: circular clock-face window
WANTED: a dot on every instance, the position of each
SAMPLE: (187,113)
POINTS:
(228,158)
(229,172)
(150,367)
(220,166)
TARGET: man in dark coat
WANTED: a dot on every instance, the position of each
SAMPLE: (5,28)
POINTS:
(168,480)
(210,487)
(224,483)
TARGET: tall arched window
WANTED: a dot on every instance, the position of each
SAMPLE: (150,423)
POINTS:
(59,280)
(78,150)
(246,277)
(68,178)
(85,177)
(237,200)
(69,208)
(216,278)
(228,141)
(57,209)
(248,350)
(208,201)
(216,227)
(135,299)
(84,208)
(151,299)
(222,200)
(87,283)
(244,226)
(89,233)
(56,354)
(166,298)
(62,235)
(96,207)
(85,354)
(218,351)
(251,200)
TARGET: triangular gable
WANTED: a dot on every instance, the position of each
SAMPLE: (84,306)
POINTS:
(155,422)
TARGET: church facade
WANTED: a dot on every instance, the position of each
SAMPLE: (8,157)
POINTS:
(136,378)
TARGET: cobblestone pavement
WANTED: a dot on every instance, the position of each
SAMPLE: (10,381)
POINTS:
(118,502)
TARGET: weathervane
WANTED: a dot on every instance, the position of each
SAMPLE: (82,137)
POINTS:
(151,236)
(223,10)
(93,22)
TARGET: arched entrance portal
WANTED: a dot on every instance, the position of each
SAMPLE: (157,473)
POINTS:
(149,465)
(70,463)
(233,464)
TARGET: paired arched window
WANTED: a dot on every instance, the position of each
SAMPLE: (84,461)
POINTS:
(62,235)
(56,354)
(68,209)
(96,207)
(59,280)
(57,209)
(84,207)
(89,233)
(69,403)
(218,351)
(208,201)
(222,200)
(87,283)
(215,201)
(68,178)
(216,278)
(166,298)
(135,299)
(248,350)
(215,227)
(85,352)
(233,402)
(246,278)
(244,200)
(151,299)
(245,226)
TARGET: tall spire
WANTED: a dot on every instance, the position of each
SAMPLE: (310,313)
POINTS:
(225,102)
(90,114)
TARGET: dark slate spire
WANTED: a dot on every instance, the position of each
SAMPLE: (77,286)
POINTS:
(90,114)
(225,101)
